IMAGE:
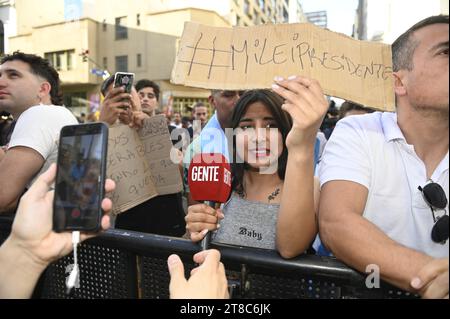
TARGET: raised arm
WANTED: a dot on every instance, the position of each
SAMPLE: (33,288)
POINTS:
(296,225)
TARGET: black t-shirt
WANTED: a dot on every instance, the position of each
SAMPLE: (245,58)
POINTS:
(161,215)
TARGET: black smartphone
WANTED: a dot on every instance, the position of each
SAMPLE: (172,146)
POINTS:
(124,79)
(80,179)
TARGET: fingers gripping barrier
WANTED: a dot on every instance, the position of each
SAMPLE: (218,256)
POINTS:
(125,264)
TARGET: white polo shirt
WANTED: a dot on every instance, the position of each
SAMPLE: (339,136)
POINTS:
(372,151)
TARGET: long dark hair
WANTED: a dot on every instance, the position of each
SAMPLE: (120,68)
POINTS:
(273,102)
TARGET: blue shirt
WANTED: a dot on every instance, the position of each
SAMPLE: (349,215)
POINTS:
(212,139)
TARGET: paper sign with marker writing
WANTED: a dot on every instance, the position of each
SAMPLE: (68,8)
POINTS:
(243,58)
(156,146)
(139,162)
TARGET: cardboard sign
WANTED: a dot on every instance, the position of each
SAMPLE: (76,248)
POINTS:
(250,57)
(139,162)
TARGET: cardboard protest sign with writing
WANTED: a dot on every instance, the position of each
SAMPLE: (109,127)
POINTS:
(139,162)
(250,57)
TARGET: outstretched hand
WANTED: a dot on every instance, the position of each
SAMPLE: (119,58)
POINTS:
(32,228)
(208,281)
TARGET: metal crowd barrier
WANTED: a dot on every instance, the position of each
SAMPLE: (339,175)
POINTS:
(125,264)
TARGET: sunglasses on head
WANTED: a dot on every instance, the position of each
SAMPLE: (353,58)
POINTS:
(436,199)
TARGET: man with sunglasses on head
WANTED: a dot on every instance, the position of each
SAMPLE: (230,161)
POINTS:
(384,176)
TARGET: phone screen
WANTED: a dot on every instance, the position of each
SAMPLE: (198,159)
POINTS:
(79,186)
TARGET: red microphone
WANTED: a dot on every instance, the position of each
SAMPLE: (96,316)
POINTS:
(210,180)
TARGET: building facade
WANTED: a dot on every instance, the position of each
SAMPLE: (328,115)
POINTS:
(319,18)
(86,40)
(360,25)
(7,24)
(385,20)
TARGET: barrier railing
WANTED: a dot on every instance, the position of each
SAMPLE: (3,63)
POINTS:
(125,264)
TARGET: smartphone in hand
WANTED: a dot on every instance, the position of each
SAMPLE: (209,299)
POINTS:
(124,79)
(80,178)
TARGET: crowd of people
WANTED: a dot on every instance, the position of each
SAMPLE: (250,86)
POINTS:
(361,185)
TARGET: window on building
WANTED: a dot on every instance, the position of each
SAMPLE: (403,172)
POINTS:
(104,25)
(184,105)
(61,60)
(262,4)
(122,63)
(76,101)
(285,15)
(105,63)
(2,38)
(139,60)
(246,7)
(69,59)
(138,19)
(121,28)
(257,19)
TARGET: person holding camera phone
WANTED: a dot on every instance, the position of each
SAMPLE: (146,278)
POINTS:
(121,103)
(29,90)
(33,245)
(168,216)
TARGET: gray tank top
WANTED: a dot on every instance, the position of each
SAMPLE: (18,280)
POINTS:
(248,223)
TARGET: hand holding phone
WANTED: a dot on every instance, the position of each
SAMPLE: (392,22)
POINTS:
(80,180)
(124,79)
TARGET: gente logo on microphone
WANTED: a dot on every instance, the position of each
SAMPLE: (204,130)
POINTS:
(205,174)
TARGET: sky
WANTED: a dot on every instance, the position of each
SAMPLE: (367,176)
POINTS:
(340,13)
(391,17)
(388,16)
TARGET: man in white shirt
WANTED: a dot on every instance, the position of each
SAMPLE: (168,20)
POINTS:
(176,120)
(29,90)
(372,211)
